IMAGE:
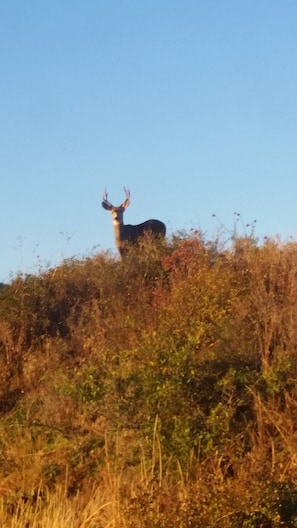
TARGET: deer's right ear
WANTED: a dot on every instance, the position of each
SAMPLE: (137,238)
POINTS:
(106,206)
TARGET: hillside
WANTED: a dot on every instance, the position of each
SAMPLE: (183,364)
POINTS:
(155,392)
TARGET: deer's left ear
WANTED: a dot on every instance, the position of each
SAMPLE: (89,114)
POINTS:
(126,203)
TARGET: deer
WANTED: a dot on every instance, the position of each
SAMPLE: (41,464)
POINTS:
(126,234)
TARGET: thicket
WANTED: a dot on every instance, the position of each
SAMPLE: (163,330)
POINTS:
(154,392)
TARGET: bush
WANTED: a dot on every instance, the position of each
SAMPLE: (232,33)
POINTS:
(167,380)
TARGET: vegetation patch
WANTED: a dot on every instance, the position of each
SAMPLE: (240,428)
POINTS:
(152,392)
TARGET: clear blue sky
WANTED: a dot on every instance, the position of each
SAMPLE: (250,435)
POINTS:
(191,104)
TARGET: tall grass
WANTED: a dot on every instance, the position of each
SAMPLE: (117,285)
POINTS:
(156,392)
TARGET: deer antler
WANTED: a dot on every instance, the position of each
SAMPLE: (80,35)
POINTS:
(105,203)
(127,193)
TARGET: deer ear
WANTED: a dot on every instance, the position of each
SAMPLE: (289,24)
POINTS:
(126,203)
(106,206)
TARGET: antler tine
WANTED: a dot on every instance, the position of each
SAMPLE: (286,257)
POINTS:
(127,192)
(105,203)
(104,197)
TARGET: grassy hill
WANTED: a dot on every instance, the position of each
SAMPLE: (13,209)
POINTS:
(155,392)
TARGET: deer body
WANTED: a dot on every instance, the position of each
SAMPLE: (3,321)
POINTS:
(127,233)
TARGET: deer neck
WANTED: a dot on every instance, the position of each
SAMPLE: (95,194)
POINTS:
(118,232)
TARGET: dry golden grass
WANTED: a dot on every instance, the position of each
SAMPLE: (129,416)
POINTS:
(155,392)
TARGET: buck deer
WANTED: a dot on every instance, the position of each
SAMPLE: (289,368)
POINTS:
(125,234)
